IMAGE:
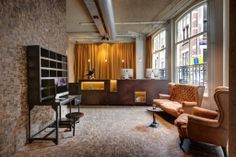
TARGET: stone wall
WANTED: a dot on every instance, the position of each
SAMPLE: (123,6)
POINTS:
(24,22)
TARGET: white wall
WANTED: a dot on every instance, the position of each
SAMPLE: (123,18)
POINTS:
(140,56)
(226,42)
(215,48)
(70,59)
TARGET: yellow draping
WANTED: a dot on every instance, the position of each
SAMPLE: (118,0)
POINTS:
(148,63)
(105,58)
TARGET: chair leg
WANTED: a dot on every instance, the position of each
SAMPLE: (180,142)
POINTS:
(224,151)
(74,127)
(181,142)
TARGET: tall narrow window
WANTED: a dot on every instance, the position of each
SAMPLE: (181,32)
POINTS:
(191,47)
(159,54)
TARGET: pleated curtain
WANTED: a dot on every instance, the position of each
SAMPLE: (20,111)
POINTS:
(148,62)
(106,58)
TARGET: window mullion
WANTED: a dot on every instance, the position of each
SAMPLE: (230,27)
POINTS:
(199,34)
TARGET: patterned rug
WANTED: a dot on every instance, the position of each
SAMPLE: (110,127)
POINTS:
(119,131)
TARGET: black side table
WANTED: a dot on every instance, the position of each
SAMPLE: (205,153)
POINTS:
(154,123)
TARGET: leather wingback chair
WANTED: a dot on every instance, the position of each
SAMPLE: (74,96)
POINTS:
(206,125)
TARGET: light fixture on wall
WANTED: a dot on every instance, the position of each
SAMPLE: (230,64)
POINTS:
(105,60)
(89,63)
(122,60)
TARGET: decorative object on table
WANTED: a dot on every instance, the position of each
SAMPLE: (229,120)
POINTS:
(90,74)
(126,73)
(152,73)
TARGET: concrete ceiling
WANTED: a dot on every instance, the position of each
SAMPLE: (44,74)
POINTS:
(132,17)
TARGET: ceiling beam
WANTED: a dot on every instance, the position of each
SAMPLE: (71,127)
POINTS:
(106,9)
(93,10)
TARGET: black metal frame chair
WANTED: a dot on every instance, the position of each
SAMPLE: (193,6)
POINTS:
(75,116)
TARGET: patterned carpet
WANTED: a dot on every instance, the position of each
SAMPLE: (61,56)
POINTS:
(118,131)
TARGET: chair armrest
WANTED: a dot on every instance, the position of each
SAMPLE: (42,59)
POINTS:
(202,121)
(202,112)
(164,96)
(187,107)
(189,103)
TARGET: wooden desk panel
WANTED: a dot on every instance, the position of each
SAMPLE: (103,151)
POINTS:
(125,92)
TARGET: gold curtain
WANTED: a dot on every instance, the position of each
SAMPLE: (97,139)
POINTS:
(105,58)
(148,63)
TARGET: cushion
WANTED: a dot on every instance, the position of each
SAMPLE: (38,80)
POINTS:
(170,107)
(182,92)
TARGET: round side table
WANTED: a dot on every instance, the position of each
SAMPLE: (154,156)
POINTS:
(154,123)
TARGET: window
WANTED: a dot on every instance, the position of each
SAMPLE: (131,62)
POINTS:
(159,54)
(191,47)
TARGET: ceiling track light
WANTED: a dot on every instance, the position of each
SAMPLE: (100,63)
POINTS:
(105,38)
(95,17)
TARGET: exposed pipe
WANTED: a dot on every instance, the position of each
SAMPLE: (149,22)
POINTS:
(127,23)
(108,17)
(140,23)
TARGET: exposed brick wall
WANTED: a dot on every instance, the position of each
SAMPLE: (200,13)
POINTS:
(24,22)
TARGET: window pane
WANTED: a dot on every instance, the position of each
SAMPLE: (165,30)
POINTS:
(159,55)
(198,50)
(197,20)
(179,31)
(205,17)
(186,25)
(182,55)
(159,63)
(162,56)
(158,42)
(154,44)
(155,60)
(191,55)
(183,28)
(163,45)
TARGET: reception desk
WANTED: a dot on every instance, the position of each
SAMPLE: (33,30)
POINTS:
(119,92)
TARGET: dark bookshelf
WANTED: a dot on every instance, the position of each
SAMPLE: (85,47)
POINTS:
(45,67)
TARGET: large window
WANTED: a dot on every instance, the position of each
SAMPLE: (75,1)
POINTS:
(191,47)
(159,54)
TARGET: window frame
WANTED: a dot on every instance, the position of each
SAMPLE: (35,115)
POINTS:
(159,51)
(189,38)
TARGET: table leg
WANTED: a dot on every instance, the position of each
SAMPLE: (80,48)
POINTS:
(154,124)
(59,112)
(57,126)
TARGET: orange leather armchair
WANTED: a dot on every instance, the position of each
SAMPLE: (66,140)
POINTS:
(206,125)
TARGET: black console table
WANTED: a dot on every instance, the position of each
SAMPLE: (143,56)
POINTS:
(58,123)
(46,70)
